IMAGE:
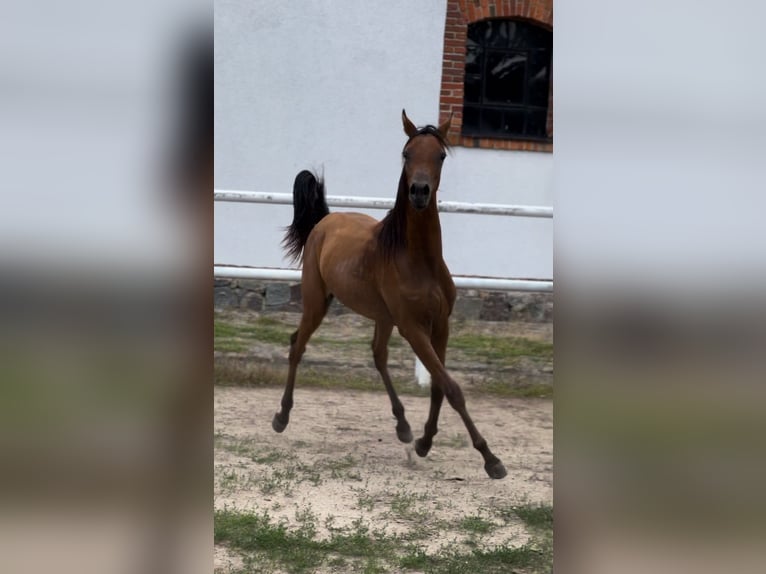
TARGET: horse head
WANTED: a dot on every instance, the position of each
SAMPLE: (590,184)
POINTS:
(423,156)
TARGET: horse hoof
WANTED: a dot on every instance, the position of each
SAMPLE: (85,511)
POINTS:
(278,425)
(495,470)
(405,435)
(421,449)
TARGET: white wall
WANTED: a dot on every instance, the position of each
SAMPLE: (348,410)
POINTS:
(322,86)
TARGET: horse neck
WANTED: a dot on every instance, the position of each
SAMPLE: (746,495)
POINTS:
(424,234)
(416,234)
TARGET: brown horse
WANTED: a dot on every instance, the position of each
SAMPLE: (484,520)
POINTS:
(390,271)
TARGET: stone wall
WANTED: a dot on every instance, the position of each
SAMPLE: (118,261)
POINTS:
(471,304)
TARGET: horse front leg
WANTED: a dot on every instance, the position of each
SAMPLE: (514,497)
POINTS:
(383,331)
(424,443)
(439,338)
(421,344)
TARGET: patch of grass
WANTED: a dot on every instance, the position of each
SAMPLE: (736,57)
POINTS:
(501,559)
(501,349)
(360,549)
(238,447)
(236,371)
(278,479)
(415,558)
(269,458)
(338,466)
(223,330)
(520,390)
(256,533)
(308,522)
(289,473)
(403,505)
(537,516)
(231,346)
(233,480)
(235,337)
(476,525)
(365,501)
(228,480)
(238,337)
(245,449)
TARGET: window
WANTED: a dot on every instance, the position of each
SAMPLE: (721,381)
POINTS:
(507,80)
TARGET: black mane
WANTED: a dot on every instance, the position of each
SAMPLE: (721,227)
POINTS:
(393,231)
(431,131)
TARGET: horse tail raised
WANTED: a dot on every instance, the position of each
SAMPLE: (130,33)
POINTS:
(309,207)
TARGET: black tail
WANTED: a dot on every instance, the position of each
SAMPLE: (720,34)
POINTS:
(309,207)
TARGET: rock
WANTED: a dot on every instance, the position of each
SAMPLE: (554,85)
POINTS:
(467,308)
(277,294)
(495,308)
(252,300)
(224,297)
(253,285)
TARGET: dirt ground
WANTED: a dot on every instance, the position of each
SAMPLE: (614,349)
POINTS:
(339,461)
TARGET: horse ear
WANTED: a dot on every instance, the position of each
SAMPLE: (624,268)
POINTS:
(444,128)
(409,127)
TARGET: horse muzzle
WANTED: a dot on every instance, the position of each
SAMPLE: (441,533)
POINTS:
(420,195)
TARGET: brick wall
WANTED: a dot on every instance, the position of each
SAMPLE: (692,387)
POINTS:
(460,13)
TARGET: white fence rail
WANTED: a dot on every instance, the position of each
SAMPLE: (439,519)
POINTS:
(385,203)
(461,281)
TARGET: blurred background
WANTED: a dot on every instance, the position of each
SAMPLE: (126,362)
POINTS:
(659,258)
(106,234)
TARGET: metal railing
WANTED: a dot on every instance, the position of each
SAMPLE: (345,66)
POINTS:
(461,281)
(385,203)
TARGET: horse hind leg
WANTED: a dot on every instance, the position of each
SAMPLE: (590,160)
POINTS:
(380,354)
(314,310)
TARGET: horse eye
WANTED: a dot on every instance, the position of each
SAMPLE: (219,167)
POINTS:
(406,155)
(442,156)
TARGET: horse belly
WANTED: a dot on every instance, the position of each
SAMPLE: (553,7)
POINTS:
(357,292)
(346,263)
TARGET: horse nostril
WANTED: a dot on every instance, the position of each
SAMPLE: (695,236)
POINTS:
(419,190)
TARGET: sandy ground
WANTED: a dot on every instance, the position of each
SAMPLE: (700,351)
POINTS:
(339,460)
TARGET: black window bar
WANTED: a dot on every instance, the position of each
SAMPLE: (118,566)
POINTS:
(507,78)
